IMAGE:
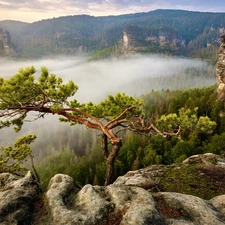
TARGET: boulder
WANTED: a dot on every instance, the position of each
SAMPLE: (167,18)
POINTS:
(17,198)
(69,205)
(176,208)
(138,198)
(157,194)
(114,204)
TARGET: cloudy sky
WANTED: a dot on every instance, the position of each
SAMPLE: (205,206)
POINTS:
(34,10)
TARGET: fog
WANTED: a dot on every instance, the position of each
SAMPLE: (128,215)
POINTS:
(133,75)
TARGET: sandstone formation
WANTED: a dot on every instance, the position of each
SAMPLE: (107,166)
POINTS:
(220,70)
(17,197)
(141,197)
(134,39)
(6,46)
(130,200)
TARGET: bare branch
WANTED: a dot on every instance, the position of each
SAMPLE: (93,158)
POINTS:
(116,120)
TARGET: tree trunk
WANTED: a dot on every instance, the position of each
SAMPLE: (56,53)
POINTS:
(105,151)
(110,162)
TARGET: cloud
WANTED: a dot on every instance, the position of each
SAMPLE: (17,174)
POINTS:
(34,10)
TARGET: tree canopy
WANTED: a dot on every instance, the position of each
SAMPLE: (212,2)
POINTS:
(48,94)
(12,158)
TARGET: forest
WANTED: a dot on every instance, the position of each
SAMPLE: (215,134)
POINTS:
(80,155)
(77,151)
(100,37)
(160,105)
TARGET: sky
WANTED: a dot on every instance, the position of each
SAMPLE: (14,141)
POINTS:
(35,10)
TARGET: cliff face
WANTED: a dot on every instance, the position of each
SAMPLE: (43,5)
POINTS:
(135,39)
(174,32)
(6,46)
(220,70)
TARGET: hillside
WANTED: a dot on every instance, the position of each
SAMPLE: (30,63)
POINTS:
(174,32)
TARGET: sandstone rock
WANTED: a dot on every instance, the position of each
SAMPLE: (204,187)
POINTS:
(219,203)
(68,205)
(197,175)
(121,204)
(220,69)
(136,204)
(138,198)
(6,46)
(144,178)
(17,197)
(99,205)
(183,209)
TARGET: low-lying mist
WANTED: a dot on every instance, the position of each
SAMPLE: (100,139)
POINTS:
(135,75)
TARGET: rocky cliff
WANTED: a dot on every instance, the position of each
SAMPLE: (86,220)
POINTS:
(175,32)
(220,69)
(136,39)
(141,197)
(6,46)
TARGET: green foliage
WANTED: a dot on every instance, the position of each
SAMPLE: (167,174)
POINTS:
(103,53)
(99,36)
(191,179)
(12,158)
(188,121)
(22,93)
(151,157)
(216,144)
(83,169)
(110,108)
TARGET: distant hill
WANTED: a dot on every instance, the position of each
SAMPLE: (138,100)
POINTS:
(175,32)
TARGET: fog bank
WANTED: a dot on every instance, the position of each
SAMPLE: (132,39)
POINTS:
(134,75)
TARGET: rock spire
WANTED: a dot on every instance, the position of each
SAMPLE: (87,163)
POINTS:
(220,69)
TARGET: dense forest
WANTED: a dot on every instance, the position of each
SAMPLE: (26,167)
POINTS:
(187,96)
(173,32)
(76,150)
(79,153)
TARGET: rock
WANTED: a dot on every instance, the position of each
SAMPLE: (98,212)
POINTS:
(99,205)
(144,178)
(141,197)
(121,204)
(220,69)
(134,205)
(68,205)
(6,46)
(219,203)
(184,209)
(197,175)
(17,197)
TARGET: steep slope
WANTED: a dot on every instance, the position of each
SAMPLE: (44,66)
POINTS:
(7,48)
(161,31)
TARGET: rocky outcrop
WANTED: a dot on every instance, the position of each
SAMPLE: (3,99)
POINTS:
(142,197)
(135,39)
(6,46)
(17,197)
(220,70)
(138,197)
